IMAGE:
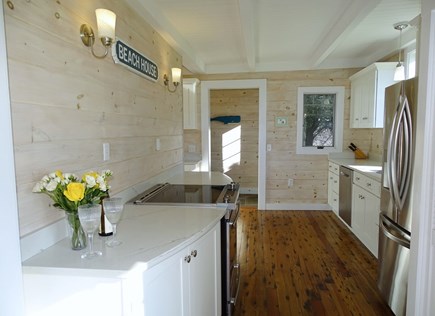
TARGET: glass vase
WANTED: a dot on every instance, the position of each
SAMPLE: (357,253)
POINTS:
(76,233)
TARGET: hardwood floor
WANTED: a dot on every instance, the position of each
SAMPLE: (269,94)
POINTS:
(304,263)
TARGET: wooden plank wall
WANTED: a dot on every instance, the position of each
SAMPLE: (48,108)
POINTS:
(244,149)
(66,103)
(308,171)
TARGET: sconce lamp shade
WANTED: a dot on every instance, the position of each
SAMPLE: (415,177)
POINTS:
(106,21)
(399,73)
(176,75)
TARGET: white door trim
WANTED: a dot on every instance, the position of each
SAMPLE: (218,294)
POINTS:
(261,85)
(421,281)
(12,298)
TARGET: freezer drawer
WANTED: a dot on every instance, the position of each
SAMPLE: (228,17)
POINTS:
(393,264)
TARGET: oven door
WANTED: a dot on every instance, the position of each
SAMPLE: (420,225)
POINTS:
(234,265)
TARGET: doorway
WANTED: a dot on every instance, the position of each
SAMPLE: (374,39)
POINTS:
(260,84)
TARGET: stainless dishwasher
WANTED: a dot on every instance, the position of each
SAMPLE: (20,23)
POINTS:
(345,195)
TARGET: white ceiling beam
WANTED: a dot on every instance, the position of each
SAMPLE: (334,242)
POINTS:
(349,19)
(152,14)
(246,11)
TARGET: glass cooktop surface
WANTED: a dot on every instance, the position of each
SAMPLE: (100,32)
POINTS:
(179,193)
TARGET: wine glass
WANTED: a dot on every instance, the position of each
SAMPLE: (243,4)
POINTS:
(113,208)
(90,215)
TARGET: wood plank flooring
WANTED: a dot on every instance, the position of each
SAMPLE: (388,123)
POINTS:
(304,263)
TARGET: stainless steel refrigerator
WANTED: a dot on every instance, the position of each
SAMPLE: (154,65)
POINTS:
(396,211)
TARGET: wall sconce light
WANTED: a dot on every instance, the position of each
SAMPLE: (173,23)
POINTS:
(106,21)
(399,73)
(176,78)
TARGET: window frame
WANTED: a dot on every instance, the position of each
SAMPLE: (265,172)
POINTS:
(339,91)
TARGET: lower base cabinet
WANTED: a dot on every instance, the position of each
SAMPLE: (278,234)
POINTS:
(365,217)
(188,283)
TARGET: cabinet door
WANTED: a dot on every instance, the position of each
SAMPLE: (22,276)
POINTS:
(163,284)
(205,275)
(368,83)
(372,226)
(358,212)
(356,101)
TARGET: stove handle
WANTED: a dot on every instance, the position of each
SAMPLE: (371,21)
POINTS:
(233,219)
(233,300)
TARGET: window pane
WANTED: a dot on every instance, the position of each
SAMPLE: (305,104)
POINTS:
(318,125)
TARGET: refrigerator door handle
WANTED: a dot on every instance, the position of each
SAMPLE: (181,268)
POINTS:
(388,228)
(399,154)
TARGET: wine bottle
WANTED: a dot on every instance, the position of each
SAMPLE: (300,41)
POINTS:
(105,226)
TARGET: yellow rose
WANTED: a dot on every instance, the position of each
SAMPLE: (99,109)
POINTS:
(74,191)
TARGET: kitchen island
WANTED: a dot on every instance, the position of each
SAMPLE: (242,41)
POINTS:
(156,240)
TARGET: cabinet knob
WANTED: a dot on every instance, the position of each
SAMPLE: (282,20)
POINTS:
(194,253)
(365,118)
(187,259)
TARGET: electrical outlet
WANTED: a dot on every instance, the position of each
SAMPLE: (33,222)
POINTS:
(269,147)
(157,144)
(290,183)
(106,151)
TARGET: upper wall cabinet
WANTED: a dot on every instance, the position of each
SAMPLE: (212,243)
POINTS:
(190,117)
(368,93)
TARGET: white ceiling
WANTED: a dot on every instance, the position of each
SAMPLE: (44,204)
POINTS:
(227,36)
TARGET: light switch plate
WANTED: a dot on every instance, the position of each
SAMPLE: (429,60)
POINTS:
(281,121)
(106,151)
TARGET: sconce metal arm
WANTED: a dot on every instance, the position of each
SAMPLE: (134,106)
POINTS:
(166,82)
(88,38)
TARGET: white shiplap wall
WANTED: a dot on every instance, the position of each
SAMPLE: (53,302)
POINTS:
(66,103)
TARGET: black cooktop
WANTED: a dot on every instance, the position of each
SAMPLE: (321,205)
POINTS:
(181,193)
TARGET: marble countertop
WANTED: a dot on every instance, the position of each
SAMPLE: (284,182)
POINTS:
(149,235)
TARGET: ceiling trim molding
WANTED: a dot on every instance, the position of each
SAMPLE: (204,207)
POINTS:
(348,20)
(150,11)
(246,11)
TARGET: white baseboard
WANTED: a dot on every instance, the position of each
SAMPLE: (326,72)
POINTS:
(297,207)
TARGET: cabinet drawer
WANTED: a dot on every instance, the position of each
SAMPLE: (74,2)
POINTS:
(367,183)
(334,202)
(333,182)
(333,167)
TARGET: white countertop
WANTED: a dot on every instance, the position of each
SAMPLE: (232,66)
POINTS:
(192,177)
(367,167)
(149,234)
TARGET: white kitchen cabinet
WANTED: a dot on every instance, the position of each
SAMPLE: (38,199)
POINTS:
(333,186)
(188,283)
(190,113)
(365,210)
(368,93)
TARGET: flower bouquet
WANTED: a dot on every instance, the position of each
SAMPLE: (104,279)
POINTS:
(69,192)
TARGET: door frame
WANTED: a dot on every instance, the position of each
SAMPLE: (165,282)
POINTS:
(261,85)
(12,299)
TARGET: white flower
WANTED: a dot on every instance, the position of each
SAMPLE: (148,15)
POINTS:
(101,183)
(39,186)
(90,181)
(52,185)
(45,178)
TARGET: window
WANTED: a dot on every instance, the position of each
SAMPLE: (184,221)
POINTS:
(320,120)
